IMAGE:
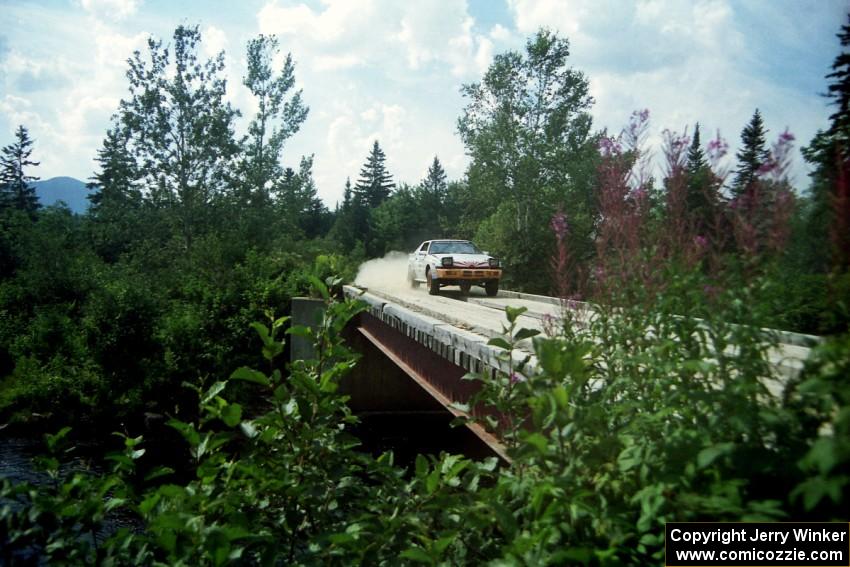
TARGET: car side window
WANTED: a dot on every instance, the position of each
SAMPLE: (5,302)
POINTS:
(424,247)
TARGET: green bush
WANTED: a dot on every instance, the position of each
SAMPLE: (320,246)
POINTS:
(637,416)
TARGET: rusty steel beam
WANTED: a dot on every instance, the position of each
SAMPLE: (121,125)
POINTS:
(439,377)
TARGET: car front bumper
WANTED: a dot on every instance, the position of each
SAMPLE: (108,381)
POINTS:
(460,274)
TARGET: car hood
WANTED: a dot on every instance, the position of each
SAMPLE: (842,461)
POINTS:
(466,260)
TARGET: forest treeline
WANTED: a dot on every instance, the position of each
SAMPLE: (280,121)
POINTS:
(138,311)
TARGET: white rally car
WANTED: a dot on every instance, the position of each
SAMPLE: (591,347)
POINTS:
(438,263)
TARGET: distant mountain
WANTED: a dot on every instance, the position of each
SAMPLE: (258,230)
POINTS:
(72,191)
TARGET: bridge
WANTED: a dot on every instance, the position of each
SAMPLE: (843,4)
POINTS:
(417,348)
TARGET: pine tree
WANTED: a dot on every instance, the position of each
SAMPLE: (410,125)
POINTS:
(839,88)
(115,198)
(435,182)
(752,155)
(114,187)
(375,183)
(16,191)
(829,152)
(346,195)
(699,198)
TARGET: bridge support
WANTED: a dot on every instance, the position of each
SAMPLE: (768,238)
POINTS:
(399,374)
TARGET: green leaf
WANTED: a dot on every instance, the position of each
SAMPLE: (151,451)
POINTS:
(505,519)
(213,391)
(149,503)
(823,455)
(187,430)
(272,350)
(525,334)
(710,454)
(514,312)
(263,331)
(499,342)
(538,441)
(432,481)
(54,439)
(248,429)
(113,503)
(319,286)
(417,554)
(550,354)
(559,393)
(489,464)
(421,466)
(158,472)
(231,415)
(250,375)
(300,331)
(443,543)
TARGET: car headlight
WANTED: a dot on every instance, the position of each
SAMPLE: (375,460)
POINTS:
(447,261)
(494,263)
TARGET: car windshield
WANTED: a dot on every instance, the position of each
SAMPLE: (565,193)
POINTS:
(454,248)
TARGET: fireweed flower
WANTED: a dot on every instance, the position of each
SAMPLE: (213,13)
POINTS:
(610,147)
(517,378)
(701,241)
(716,149)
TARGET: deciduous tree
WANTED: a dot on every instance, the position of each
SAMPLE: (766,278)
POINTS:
(280,114)
(526,127)
(180,126)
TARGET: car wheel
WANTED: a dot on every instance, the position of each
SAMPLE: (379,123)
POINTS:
(433,287)
(492,288)
(465,287)
(412,280)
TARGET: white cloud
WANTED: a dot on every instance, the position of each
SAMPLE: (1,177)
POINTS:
(385,70)
(114,10)
(685,61)
(500,33)
(345,33)
(214,41)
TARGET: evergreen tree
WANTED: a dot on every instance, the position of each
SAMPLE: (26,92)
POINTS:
(435,182)
(430,196)
(115,198)
(700,199)
(752,155)
(839,87)
(298,200)
(277,118)
(346,195)
(828,218)
(351,224)
(375,183)
(16,191)
(114,186)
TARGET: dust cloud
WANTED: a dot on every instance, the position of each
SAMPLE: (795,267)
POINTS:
(388,273)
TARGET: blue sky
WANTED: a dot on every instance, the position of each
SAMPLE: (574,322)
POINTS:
(391,70)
